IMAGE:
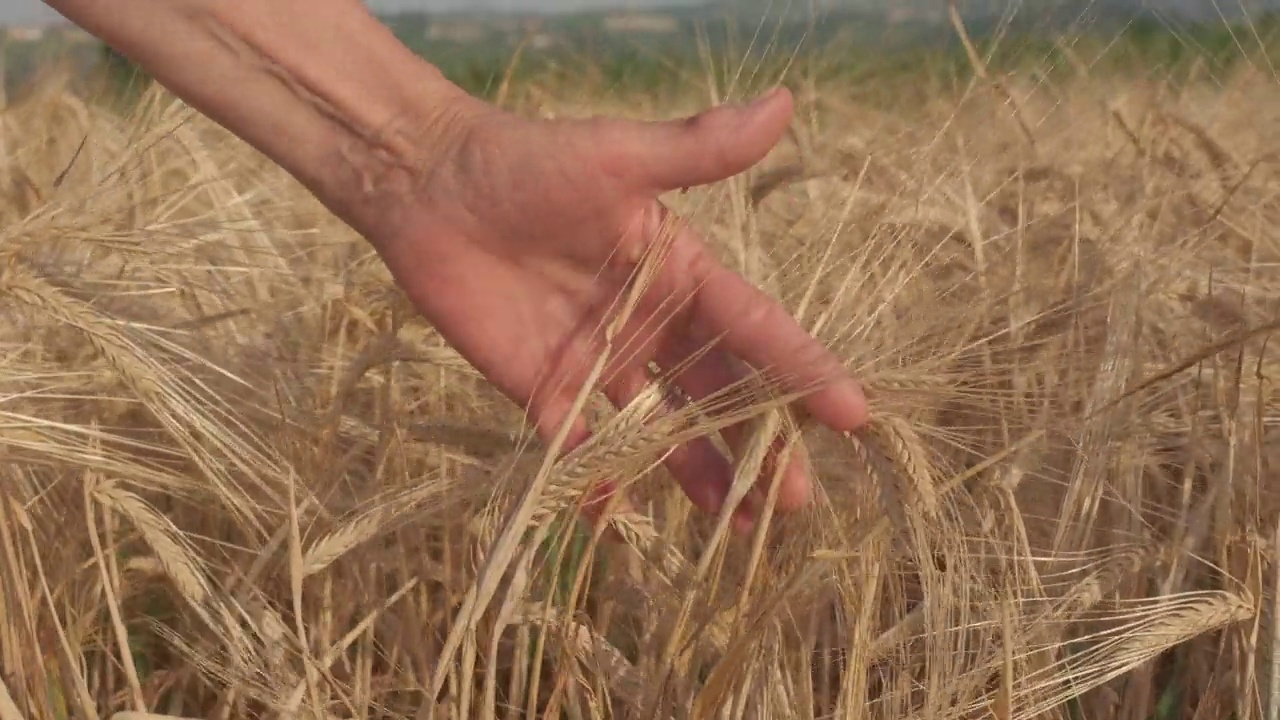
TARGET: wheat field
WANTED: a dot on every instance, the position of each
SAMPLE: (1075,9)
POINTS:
(240,477)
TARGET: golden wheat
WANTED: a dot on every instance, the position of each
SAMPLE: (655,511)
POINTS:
(298,501)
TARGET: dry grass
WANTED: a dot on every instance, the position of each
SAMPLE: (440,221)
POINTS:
(241,477)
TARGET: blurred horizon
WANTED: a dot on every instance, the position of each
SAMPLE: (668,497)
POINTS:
(37,12)
(33,12)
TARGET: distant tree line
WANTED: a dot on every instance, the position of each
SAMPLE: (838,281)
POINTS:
(122,73)
(869,51)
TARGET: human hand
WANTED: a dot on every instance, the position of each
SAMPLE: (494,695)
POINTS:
(522,234)
(512,236)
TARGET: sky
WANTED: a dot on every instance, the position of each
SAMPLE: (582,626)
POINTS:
(19,12)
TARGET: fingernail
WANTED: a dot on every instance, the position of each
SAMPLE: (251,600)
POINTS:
(764,99)
(856,398)
(803,468)
(746,514)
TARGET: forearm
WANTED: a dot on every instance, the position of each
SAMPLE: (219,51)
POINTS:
(319,86)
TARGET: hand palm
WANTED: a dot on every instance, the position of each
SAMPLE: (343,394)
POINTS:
(535,235)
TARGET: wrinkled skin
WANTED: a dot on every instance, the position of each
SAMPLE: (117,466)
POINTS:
(511,235)
(523,235)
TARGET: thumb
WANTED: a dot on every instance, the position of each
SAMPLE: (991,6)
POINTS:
(711,146)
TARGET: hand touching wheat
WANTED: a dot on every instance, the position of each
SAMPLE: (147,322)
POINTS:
(518,245)
(512,236)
